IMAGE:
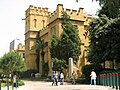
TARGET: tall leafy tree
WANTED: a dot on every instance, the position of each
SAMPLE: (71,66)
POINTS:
(54,46)
(97,39)
(12,62)
(104,35)
(68,45)
(57,62)
(70,41)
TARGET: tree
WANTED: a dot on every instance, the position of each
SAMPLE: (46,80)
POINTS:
(46,68)
(110,8)
(104,35)
(12,62)
(39,46)
(54,46)
(70,41)
(97,39)
(57,61)
(58,65)
(68,45)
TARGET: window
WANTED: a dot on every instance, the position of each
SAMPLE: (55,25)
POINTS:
(53,29)
(43,22)
(35,22)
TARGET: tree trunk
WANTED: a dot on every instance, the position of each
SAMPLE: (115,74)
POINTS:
(42,54)
(113,64)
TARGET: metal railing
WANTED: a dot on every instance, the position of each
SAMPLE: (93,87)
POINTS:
(109,79)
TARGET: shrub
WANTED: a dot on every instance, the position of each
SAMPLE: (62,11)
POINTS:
(4,82)
(86,70)
(20,83)
(107,70)
(27,73)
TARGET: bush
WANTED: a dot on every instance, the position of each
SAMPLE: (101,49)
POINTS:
(45,69)
(20,83)
(86,70)
(4,82)
(27,74)
(107,70)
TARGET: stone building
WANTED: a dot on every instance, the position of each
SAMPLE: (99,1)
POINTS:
(21,50)
(40,19)
(15,45)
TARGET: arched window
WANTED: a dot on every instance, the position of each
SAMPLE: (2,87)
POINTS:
(35,22)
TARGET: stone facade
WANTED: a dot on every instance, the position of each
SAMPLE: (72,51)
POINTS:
(39,19)
(21,50)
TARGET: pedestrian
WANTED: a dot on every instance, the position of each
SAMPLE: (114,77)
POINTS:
(93,77)
(73,77)
(14,81)
(53,78)
(61,78)
(56,78)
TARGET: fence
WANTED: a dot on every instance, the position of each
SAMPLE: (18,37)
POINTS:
(109,79)
(8,84)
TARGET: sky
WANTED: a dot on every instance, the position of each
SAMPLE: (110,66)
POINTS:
(12,27)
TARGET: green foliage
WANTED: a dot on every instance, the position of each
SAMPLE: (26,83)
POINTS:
(1,71)
(58,65)
(37,48)
(86,70)
(70,41)
(110,8)
(39,45)
(109,71)
(46,68)
(12,62)
(104,35)
(5,80)
(27,73)
(54,49)
(68,45)
(20,83)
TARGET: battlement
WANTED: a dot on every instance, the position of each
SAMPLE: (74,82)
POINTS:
(36,10)
(21,47)
(74,14)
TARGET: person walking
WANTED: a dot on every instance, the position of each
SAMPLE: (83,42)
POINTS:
(61,78)
(93,77)
(73,77)
(15,80)
(53,78)
(56,78)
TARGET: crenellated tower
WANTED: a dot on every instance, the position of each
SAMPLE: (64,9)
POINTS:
(36,18)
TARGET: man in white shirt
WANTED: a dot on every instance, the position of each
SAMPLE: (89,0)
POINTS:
(61,78)
(93,77)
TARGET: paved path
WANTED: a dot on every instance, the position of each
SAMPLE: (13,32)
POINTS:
(39,85)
